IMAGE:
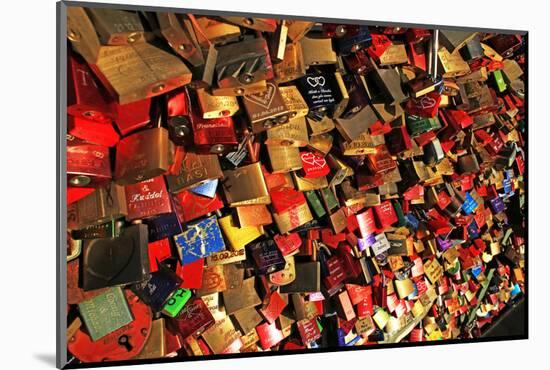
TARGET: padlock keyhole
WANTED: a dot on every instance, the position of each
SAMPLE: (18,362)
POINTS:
(125,342)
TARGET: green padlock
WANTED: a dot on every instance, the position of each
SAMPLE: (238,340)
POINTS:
(176,302)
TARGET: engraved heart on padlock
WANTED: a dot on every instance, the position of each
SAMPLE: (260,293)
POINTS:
(107,258)
(426,102)
(264,98)
(314,160)
(316,81)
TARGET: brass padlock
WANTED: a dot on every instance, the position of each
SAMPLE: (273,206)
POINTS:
(253,88)
(212,31)
(308,184)
(352,195)
(247,319)
(245,185)
(472,50)
(195,170)
(298,29)
(338,170)
(293,218)
(321,127)
(387,112)
(389,82)
(221,335)
(130,72)
(344,102)
(266,109)
(338,220)
(284,158)
(277,42)
(321,144)
(148,71)
(293,133)
(238,237)
(213,281)
(213,106)
(116,27)
(453,64)
(294,101)
(511,69)
(292,66)
(155,346)
(179,33)
(352,128)
(241,298)
(253,215)
(363,144)
(318,51)
(394,54)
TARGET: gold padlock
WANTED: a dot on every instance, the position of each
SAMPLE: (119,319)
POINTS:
(213,106)
(352,128)
(221,335)
(352,195)
(155,346)
(253,215)
(362,145)
(252,88)
(245,185)
(325,125)
(321,144)
(338,170)
(453,64)
(394,54)
(343,96)
(298,29)
(130,72)
(116,27)
(292,66)
(216,32)
(277,42)
(294,101)
(195,170)
(284,158)
(293,218)
(179,33)
(266,109)
(293,133)
(238,237)
(318,51)
(314,183)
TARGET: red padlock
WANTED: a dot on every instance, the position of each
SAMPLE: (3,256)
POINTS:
(122,344)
